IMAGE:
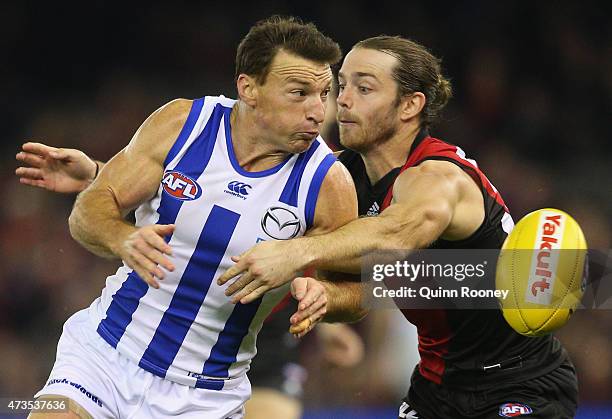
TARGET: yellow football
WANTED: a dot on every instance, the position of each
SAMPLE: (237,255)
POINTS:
(542,265)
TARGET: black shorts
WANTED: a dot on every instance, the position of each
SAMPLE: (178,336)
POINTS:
(551,396)
(276,365)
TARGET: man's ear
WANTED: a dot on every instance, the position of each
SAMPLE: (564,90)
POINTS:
(411,105)
(247,89)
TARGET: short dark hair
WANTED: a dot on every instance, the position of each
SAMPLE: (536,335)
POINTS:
(417,71)
(259,47)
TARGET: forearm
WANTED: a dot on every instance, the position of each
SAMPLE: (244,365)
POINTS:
(97,224)
(341,250)
(344,301)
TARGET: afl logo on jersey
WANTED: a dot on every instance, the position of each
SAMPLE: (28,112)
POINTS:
(512,410)
(280,223)
(180,186)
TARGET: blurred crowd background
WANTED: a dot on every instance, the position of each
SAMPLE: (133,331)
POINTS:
(532,104)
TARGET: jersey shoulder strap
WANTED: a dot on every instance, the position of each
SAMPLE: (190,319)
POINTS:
(430,148)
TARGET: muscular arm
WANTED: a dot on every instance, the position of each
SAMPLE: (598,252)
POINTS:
(344,300)
(425,200)
(433,200)
(127,180)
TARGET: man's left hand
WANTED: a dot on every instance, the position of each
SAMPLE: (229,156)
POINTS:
(265,266)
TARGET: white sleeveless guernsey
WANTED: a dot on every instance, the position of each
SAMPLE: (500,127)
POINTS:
(188,331)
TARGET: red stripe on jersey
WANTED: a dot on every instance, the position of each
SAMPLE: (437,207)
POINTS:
(430,148)
(281,305)
(434,338)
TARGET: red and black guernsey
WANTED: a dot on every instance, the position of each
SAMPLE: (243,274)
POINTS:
(470,349)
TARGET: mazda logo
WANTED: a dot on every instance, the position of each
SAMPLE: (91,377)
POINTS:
(280,223)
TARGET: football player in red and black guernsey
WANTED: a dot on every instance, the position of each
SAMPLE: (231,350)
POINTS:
(428,194)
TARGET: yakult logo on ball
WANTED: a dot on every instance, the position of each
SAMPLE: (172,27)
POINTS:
(180,186)
(545,258)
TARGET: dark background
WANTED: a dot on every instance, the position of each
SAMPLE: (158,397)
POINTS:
(532,104)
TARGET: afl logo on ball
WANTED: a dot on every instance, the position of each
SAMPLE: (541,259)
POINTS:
(180,186)
(512,410)
(280,223)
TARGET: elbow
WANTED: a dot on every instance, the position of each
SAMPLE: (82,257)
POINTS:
(74,222)
(92,228)
(80,221)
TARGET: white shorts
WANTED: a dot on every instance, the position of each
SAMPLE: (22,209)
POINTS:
(109,385)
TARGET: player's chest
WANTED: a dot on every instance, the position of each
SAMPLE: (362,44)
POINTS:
(246,210)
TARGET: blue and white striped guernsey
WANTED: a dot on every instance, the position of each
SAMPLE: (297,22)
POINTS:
(188,331)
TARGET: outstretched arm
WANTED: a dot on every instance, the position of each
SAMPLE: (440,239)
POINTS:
(435,199)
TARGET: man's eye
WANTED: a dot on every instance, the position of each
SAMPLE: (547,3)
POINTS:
(325,92)
(364,89)
(298,92)
(341,86)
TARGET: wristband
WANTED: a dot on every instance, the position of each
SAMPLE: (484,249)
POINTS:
(97,170)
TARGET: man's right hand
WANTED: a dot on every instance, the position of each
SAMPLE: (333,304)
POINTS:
(62,170)
(146,251)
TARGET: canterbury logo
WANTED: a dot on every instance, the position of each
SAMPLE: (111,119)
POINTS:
(238,189)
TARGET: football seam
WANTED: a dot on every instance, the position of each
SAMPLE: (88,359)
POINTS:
(520,313)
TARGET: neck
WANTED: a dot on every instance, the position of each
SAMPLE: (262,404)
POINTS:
(390,153)
(252,148)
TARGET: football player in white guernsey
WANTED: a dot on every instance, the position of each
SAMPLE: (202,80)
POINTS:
(208,179)
(276,375)
(276,385)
